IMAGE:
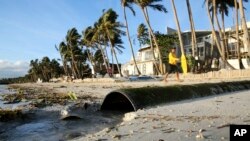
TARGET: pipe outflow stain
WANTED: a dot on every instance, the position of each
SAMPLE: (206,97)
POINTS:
(132,99)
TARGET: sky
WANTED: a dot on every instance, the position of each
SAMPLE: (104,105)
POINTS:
(30,29)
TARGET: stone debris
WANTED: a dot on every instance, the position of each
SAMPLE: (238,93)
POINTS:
(130,116)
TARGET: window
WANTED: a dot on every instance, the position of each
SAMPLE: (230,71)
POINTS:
(148,55)
(144,69)
(201,51)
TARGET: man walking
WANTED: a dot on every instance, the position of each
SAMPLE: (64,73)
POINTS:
(172,65)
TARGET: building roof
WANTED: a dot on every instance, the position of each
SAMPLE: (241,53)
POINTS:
(145,47)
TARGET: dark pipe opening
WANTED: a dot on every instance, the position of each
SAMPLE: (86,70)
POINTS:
(117,101)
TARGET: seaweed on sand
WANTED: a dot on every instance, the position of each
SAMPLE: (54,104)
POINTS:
(8,115)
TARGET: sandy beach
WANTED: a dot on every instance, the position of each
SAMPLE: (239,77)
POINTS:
(199,119)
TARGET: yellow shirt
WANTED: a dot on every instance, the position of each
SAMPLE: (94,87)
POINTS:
(172,58)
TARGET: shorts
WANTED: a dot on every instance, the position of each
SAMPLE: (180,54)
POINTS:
(173,68)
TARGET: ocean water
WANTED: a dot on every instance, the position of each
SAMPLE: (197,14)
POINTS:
(4,89)
(45,124)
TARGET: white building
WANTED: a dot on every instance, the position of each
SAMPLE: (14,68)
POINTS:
(145,62)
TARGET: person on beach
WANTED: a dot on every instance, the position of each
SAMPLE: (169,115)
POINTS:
(173,68)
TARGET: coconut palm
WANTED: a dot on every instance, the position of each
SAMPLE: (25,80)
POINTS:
(183,58)
(212,6)
(111,28)
(89,42)
(142,34)
(237,32)
(128,4)
(72,40)
(193,34)
(64,53)
(246,39)
(143,4)
(222,7)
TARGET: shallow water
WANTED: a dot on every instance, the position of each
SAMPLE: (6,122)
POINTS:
(46,128)
(46,124)
(5,90)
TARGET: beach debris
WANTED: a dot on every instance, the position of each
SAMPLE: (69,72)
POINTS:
(169,130)
(161,140)
(7,115)
(130,116)
(199,136)
(73,111)
(72,95)
(201,130)
(224,125)
(102,139)
(72,135)
(117,136)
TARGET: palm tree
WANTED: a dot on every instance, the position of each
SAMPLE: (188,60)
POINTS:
(212,6)
(183,58)
(63,53)
(89,43)
(193,34)
(143,4)
(237,33)
(109,25)
(142,34)
(72,39)
(246,39)
(128,4)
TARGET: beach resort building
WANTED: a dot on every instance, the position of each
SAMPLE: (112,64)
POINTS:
(205,51)
(145,62)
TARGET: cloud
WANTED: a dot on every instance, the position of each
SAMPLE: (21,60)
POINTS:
(13,69)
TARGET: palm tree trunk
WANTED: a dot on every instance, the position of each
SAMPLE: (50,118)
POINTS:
(192,28)
(224,34)
(103,57)
(215,35)
(113,51)
(178,28)
(152,47)
(73,69)
(219,29)
(119,69)
(237,34)
(91,62)
(130,43)
(246,40)
(74,65)
(155,41)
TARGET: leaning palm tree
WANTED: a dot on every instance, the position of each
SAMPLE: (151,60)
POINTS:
(72,40)
(88,41)
(128,4)
(111,27)
(246,39)
(63,53)
(193,34)
(212,6)
(183,58)
(143,4)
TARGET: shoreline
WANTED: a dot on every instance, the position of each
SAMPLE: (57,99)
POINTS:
(180,120)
